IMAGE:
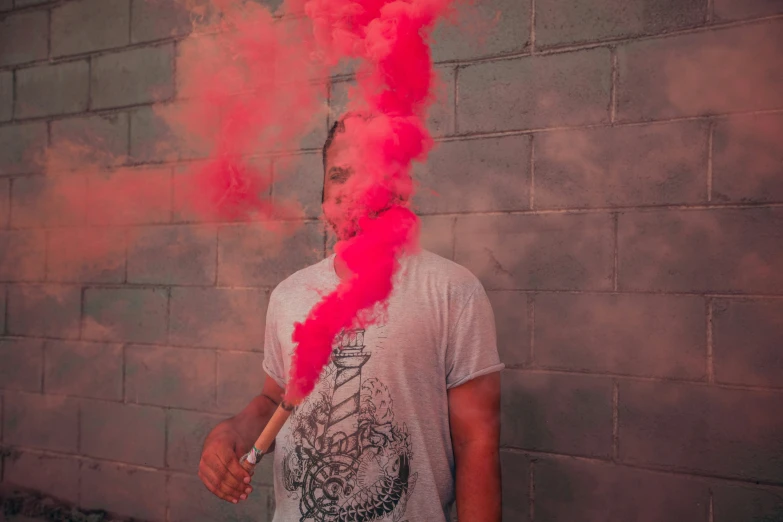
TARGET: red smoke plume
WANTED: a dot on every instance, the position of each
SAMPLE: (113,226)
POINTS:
(395,82)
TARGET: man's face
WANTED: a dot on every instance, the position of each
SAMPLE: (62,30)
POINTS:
(338,170)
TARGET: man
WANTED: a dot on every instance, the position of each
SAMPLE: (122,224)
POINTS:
(404,418)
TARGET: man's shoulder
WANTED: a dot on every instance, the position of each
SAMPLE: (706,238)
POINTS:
(302,279)
(445,271)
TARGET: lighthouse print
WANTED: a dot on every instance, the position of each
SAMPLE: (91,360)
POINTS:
(348,460)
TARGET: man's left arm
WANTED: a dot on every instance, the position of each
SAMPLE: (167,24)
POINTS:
(474,414)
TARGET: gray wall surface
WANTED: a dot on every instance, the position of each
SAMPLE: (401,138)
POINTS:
(610,169)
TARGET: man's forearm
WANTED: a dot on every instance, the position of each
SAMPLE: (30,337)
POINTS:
(248,423)
(478,482)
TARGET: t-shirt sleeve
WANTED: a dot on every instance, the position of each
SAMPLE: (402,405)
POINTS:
(472,348)
(273,353)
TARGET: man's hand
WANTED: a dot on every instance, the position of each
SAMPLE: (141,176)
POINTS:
(219,468)
(474,414)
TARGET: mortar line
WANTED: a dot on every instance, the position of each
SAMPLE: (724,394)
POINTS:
(174,82)
(642,378)
(130,23)
(711,507)
(167,509)
(46,256)
(217,254)
(13,104)
(126,239)
(82,299)
(217,377)
(710,11)
(43,367)
(710,146)
(615,421)
(777,486)
(616,251)
(474,61)
(532,195)
(613,88)
(439,139)
(79,426)
(124,362)
(710,347)
(165,438)
(89,90)
(5,310)
(168,314)
(531,310)
(456,99)
(532,27)
(454,239)
(531,490)
(48,32)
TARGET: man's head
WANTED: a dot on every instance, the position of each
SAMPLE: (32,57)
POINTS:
(338,161)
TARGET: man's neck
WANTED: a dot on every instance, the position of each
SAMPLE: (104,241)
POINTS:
(340,268)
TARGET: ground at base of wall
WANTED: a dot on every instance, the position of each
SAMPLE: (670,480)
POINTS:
(22,505)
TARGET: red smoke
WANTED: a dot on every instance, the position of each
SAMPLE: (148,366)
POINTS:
(395,82)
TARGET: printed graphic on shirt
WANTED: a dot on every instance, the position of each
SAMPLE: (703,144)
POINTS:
(349,461)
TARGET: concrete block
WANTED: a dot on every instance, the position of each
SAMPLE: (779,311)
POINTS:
(558,413)
(734,502)
(85,26)
(161,19)
(125,490)
(729,250)
(52,200)
(218,317)
(40,421)
(92,254)
(563,22)
(535,92)
(36,85)
(44,311)
(125,314)
(475,176)
(252,255)
(512,323)
(176,255)
(22,147)
(84,369)
(6,95)
(22,255)
(131,196)
(105,432)
(593,491)
(48,474)
(240,378)
(662,164)
(24,37)
(679,76)
(133,77)
(437,235)
(747,337)
(179,377)
(742,9)
(646,335)
(747,159)
(515,476)
(490,28)
(298,185)
(544,252)
(105,137)
(21,364)
(707,430)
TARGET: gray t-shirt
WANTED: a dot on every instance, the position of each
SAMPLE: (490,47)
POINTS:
(372,441)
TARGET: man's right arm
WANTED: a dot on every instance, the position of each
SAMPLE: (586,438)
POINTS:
(219,468)
(250,422)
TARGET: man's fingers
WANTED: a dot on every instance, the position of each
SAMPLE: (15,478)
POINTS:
(216,483)
(236,471)
(212,486)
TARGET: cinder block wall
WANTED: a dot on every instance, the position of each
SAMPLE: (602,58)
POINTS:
(611,169)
